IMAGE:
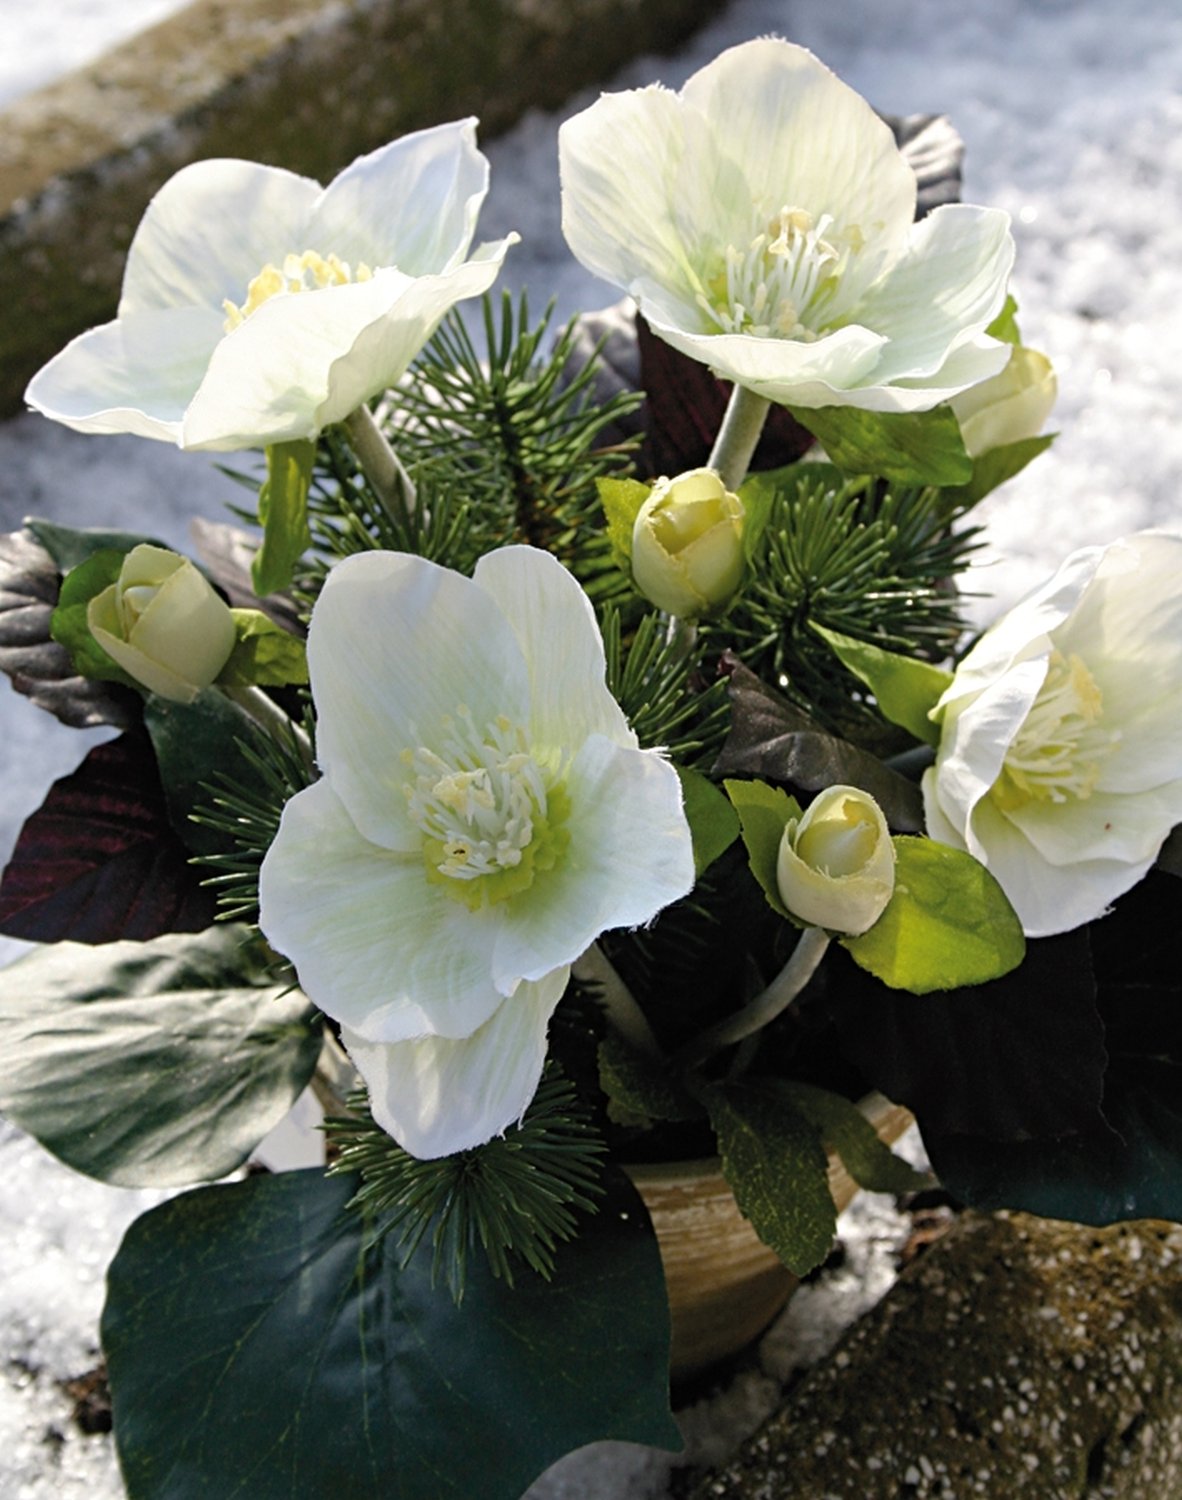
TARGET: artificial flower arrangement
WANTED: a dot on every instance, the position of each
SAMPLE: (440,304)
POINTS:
(582,768)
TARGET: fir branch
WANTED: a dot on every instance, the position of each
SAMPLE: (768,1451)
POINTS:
(647,676)
(515,1198)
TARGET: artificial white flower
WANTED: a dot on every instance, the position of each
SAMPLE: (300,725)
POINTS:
(836,865)
(763,219)
(258,307)
(1007,407)
(687,544)
(1059,764)
(483,816)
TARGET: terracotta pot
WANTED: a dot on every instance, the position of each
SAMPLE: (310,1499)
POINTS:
(724,1284)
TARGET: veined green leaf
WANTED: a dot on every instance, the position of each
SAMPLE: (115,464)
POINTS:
(264,653)
(763,813)
(714,824)
(283,514)
(913,448)
(905,687)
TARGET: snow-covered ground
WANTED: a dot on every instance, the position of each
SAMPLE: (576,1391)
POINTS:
(1072,115)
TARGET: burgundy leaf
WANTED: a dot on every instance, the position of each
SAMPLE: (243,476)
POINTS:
(98,861)
(38,666)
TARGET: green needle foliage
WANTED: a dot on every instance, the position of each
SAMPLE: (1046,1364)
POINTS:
(515,1198)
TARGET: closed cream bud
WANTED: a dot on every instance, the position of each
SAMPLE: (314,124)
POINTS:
(1008,407)
(687,544)
(836,865)
(162,622)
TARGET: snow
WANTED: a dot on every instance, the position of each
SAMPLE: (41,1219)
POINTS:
(1073,122)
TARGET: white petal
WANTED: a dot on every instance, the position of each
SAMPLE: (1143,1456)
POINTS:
(803,139)
(396,645)
(374,944)
(136,376)
(1129,829)
(412,204)
(630,855)
(559,637)
(210,230)
(436,1097)
(947,287)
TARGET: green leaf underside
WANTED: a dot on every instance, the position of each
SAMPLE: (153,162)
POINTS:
(283,515)
(905,688)
(947,925)
(923,448)
(763,813)
(774,1162)
(151,1064)
(69,625)
(315,1369)
(621,500)
(845,1130)
(714,825)
(264,654)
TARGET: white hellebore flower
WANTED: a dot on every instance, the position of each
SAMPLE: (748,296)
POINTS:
(763,219)
(836,866)
(259,307)
(1059,764)
(483,816)
(1007,407)
(162,622)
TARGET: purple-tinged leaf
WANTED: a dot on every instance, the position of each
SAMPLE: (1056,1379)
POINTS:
(99,861)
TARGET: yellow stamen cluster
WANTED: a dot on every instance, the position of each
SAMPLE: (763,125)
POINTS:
(300,273)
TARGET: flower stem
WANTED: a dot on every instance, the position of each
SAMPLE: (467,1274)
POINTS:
(380,464)
(619,1003)
(738,436)
(778,996)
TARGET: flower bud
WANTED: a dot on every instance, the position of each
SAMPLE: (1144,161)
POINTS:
(836,866)
(162,622)
(1008,407)
(687,544)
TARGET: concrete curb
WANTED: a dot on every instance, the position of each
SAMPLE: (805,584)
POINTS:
(305,84)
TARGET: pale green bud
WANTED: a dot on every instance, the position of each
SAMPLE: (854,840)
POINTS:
(1010,406)
(687,544)
(836,865)
(162,622)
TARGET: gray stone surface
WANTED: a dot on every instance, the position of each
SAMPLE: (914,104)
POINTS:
(304,84)
(1018,1358)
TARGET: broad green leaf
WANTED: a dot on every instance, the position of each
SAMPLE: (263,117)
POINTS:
(1005,325)
(846,1131)
(904,687)
(639,1090)
(621,500)
(71,545)
(714,825)
(763,813)
(905,447)
(264,654)
(948,923)
(69,626)
(192,741)
(283,514)
(775,1165)
(257,1351)
(151,1064)
(995,466)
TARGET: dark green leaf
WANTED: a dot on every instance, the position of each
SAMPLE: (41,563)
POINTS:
(712,820)
(639,1090)
(995,466)
(915,448)
(151,1064)
(70,546)
(763,812)
(773,1160)
(69,625)
(948,924)
(264,653)
(257,1352)
(283,514)
(846,1131)
(771,737)
(905,687)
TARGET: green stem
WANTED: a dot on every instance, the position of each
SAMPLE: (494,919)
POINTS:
(619,1003)
(738,436)
(778,996)
(380,464)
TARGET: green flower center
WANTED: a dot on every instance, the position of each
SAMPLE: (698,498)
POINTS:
(492,818)
(1061,747)
(300,273)
(782,284)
